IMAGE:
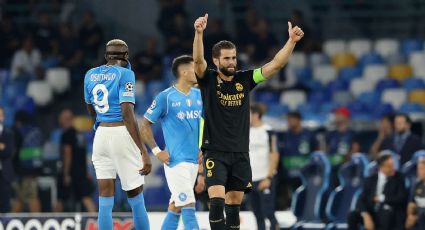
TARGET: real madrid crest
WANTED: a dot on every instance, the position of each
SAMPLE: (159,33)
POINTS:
(239,87)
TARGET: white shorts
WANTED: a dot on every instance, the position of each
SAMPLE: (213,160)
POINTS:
(114,152)
(181,180)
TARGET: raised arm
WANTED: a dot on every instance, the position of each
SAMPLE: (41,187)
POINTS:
(147,137)
(130,123)
(198,46)
(282,57)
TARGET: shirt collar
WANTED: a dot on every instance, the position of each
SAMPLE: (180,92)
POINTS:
(381,176)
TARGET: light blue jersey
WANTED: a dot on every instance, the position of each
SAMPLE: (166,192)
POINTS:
(180,116)
(106,87)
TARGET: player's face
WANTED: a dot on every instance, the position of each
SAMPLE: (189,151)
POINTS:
(1,116)
(227,62)
(420,170)
(293,123)
(388,167)
(400,124)
(187,71)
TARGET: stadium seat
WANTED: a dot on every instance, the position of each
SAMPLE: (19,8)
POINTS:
(308,108)
(331,47)
(13,90)
(387,84)
(417,96)
(382,109)
(409,168)
(309,199)
(375,72)
(361,85)
(419,71)
(413,83)
(349,73)
(9,116)
(411,108)
(351,176)
(386,47)
(267,97)
(83,123)
(153,88)
(359,47)
(41,92)
(370,59)
(25,103)
(342,97)
(396,59)
(277,110)
(327,108)
(298,59)
(59,79)
(371,98)
(409,46)
(400,72)
(303,74)
(395,97)
(324,73)
(337,85)
(417,58)
(358,109)
(316,59)
(293,98)
(318,97)
(340,60)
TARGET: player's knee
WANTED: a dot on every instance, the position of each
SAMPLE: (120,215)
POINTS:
(134,192)
(234,197)
(106,187)
(216,191)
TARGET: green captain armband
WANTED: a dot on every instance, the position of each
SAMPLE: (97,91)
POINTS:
(258,76)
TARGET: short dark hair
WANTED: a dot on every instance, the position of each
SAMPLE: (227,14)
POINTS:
(258,109)
(178,61)
(222,45)
(408,120)
(383,157)
(295,114)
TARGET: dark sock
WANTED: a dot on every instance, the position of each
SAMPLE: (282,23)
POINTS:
(216,213)
(232,216)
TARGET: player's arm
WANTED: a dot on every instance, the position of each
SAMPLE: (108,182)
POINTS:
(198,46)
(148,138)
(282,57)
(130,123)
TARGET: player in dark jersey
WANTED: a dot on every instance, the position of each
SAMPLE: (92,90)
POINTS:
(225,94)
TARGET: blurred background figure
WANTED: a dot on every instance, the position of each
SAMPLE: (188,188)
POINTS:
(385,130)
(382,204)
(74,186)
(26,61)
(91,37)
(416,206)
(7,146)
(264,162)
(147,64)
(403,142)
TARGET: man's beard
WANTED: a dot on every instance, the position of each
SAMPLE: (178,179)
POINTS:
(225,71)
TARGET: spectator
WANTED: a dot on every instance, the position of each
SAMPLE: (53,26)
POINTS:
(147,64)
(70,53)
(385,130)
(403,142)
(264,161)
(342,142)
(6,166)
(246,28)
(29,141)
(416,207)
(382,204)
(91,37)
(44,34)
(169,8)
(9,40)
(306,43)
(26,61)
(215,34)
(264,41)
(179,39)
(73,181)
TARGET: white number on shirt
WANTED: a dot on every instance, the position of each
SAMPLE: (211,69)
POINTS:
(101,106)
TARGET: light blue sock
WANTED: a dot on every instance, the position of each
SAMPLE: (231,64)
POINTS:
(104,219)
(171,221)
(189,219)
(140,216)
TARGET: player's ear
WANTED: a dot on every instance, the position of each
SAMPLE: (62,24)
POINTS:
(216,62)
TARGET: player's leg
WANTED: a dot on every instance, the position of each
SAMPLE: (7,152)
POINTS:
(128,162)
(105,175)
(181,180)
(83,190)
(215,180)
(239,182)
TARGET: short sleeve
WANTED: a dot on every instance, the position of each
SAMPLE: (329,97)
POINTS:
(157,109)
(66,138)
(86,90)
(204,81)
(127,87)
(248,76)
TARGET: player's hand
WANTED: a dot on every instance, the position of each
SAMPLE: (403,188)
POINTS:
(264,184)
(200,184)
(200,158)
(147,164)
(2,146)
(164,157)
(201,23)
(66,180)
(296,33)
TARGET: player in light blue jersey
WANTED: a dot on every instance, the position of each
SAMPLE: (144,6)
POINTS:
(117,147)
(179,108)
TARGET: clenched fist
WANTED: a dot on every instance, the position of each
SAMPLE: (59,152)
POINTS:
(201,23)
(296,33)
